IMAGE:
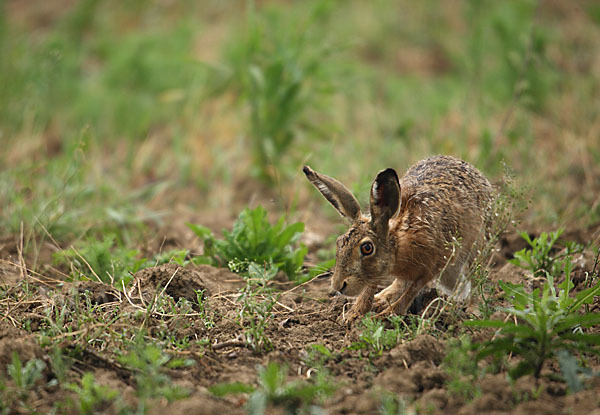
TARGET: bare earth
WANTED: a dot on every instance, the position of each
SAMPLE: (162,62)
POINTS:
(303,316)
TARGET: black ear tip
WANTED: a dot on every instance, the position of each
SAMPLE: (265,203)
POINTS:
(307,170)
(387,174)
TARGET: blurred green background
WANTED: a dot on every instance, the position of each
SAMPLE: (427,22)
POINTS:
(113,112)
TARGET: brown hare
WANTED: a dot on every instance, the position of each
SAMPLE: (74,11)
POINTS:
(429,224)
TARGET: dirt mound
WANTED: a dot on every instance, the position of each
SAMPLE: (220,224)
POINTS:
(201,404)
(15,340)
(99,293)
(421,377)
(180,282)
(424,348)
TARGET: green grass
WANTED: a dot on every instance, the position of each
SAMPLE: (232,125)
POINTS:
(91,397)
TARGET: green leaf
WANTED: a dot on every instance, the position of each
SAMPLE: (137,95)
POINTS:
(584,338)
(485,323)
(201,232)
(586,296)
(272,377)
(521,298)
(223,389)
(257,403)
(569,369)
(582,320)
(289,234)
(521,369)
(321,349)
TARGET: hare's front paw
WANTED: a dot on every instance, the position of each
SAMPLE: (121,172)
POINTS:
(350,317)
(382,305)
(361,307)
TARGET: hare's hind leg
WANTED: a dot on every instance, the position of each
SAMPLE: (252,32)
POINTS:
(455,282)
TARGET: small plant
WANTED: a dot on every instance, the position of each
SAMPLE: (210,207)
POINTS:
(150,364)
(462,369)
(204,315)
(60,364)
(178,256)
(538,259)
(254,239)
(257,301)
(392,404)
(547,321)
(25,377)
(277,66)
(320,269)
(573,374)
(101,260)
(375,338)
(316,355)
(296,397)
(92,398)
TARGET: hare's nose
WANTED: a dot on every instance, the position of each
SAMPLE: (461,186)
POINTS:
(343,287)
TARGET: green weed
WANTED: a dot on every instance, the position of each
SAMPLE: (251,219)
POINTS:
(547,321)
(295,397)
(75,317)
(25,376)
(463,370)
(254,240)
(572,372)
(204,314)
(92,398)
(256,311)
(108,261)
(60,364)
(537,257)
(375,337)
(101,260)
(177,256)
(392,404)
(150,365)
(277,65)
(319,269)
(24,379)
(316,355)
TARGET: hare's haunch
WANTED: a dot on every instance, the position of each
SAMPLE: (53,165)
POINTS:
(429,224)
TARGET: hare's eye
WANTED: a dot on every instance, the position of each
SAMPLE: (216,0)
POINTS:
(366,248)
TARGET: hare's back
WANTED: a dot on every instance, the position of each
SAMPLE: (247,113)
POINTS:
(444,179)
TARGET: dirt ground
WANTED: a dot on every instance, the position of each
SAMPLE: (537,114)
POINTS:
(303,315)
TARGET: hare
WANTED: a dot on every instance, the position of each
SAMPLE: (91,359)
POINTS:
(429,224)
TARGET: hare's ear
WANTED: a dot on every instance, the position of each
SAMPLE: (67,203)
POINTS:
(385,199)
(336,193)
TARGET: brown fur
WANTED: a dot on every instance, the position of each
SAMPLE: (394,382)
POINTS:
(428,224)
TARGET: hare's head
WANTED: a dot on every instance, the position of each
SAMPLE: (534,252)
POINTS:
(364,255)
